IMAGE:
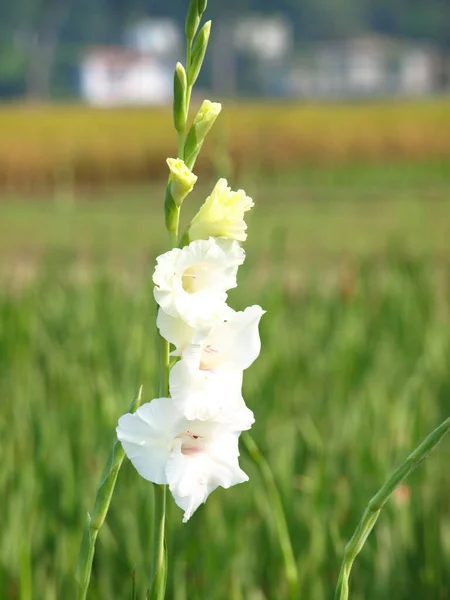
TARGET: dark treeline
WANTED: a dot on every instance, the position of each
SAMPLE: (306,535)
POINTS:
(41,40)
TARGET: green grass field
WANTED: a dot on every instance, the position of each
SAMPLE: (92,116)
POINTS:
(352,267)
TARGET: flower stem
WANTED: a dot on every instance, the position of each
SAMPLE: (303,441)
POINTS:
(370,516)
(188,66)
(290,565)
(94,522)
(159,568)
(159,575)
(164,367)
(181,144)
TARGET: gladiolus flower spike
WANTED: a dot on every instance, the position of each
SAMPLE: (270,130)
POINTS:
(188,438)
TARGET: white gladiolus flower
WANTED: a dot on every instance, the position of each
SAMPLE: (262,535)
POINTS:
(207,381)
(191,282)
(176,331)
(222,214)
(192,457)
(180,334)
(202,394)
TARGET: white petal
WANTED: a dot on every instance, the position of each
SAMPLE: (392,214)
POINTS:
(176,331)
(191,283)
(147,437)
(235,342)
(192,478)
(206,395)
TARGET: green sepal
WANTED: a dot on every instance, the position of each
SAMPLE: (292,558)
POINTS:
(198,53)
(193,19)
(202,6)
(171,211)
(201,125)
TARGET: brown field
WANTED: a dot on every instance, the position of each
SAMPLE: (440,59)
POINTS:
(47,147)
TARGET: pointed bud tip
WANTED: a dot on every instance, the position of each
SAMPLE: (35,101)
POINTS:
(181,73)
(201,6)
(182,180)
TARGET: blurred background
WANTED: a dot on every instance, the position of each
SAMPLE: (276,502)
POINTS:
(336,120)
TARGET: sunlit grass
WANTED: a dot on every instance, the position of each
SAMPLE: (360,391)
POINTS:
(48,147)
(352,268)
(318,215)
(353,374)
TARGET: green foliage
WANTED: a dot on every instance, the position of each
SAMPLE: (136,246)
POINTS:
(353,374)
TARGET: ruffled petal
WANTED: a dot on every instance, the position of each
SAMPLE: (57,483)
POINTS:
(147,436)
(192,478)
(176,331)
(191,283)
(235,342)
(206,395)
(222,214)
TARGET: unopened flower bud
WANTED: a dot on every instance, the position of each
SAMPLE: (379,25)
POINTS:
(193,18)
(198,53)
(203,121)
(201,6)
(179,98)
(182,180)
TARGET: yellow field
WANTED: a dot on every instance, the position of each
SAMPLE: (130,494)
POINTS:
(44,146)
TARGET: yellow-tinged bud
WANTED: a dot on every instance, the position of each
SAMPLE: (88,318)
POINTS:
(205,117)
(198,53)
(182,180)
(203,121)
(222,215)
(179,98)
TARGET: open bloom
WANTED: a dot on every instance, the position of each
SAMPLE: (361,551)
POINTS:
(191,282)
(207,381)
(222,214)
(193,457)
(181,335)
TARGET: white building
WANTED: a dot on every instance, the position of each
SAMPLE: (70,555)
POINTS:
(366,66)
(112,76)
(139,72)
(161,37)
(268,38)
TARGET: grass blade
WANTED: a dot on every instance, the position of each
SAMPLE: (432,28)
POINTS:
(94,522)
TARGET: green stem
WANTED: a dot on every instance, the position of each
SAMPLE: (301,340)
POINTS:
(164,368)
(159,568)
(290,565)
(175,214)
(188,68)
(159,579)
(370,516)
(181,144)
(94,522)
(158,575)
